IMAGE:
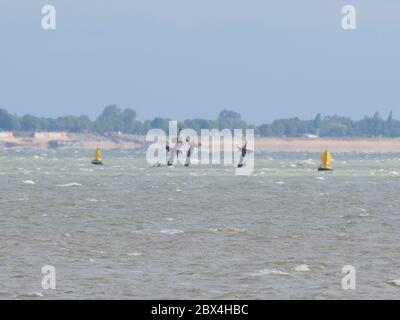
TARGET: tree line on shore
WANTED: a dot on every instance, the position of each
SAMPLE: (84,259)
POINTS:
(114,119)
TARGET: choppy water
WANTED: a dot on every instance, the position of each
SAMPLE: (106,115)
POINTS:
(127,231)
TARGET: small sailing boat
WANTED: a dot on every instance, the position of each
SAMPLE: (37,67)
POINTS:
(326,161)
(97,157)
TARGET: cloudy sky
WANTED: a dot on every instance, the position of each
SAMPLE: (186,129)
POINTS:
(191,58)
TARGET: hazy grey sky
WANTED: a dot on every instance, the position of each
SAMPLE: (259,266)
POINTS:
(191,58)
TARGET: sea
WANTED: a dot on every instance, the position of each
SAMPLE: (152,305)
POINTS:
(126,230)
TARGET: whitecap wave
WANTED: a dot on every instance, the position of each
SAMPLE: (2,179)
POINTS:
(23,199)
(69,184)
(28,182)
(171,231)
(394,282)
(228,229)
(266,272)
(35,294)
(134,254)
(302,268)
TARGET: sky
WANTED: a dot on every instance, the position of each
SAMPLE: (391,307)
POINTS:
(192,58)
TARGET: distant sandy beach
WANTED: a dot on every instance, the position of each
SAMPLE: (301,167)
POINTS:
(88,141)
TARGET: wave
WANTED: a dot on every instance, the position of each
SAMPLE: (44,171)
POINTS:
(171,231)
(228,229)
(22,199)
(69,184)
(395,282)
(266,272)
(30,295)
(302,268)
(28,182)
(134,254)
(363,215)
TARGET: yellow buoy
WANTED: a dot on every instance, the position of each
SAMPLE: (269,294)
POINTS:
(97,157)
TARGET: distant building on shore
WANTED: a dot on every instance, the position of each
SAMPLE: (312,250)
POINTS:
(6,135)
(310,136)
(50,136)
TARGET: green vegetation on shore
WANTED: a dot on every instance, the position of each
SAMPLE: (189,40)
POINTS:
(114,119)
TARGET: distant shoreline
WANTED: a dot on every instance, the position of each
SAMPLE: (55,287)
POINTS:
(361,145)
(262,144)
